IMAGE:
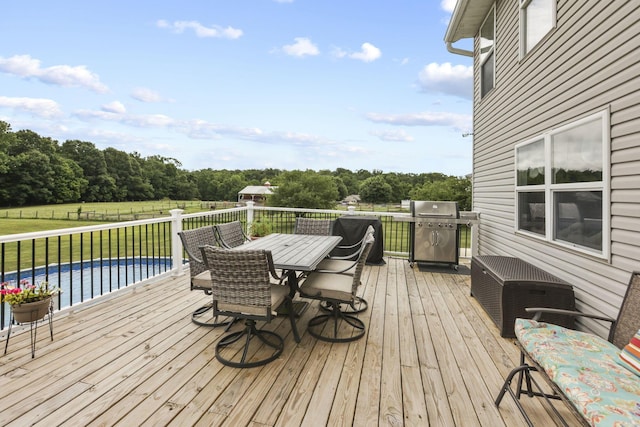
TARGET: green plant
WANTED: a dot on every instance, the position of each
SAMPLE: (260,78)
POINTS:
(26,292)
(261,228)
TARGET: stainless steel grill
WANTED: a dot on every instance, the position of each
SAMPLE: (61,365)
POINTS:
(434,232)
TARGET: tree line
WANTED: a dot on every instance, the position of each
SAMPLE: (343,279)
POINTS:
(36,170)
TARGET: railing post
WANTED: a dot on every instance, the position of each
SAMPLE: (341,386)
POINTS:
(474,237)
(176,245)
(250,212)
(351,210)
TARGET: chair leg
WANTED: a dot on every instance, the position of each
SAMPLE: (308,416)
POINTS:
(268,338)
(524,375)
(332,320)
(212,322)
(358,306)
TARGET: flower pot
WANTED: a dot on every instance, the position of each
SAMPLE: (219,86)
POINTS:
(31,311)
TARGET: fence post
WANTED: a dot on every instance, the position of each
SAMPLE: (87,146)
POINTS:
(176,245)
(250,212)
(351,210)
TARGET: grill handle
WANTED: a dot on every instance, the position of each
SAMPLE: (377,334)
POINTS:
(435,215)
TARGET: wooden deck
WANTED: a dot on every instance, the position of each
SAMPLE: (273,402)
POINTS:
(431,356)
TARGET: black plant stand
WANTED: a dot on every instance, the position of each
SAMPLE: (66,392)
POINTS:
(33,330)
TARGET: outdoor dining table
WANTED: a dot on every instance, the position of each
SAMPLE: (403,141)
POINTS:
(295,253)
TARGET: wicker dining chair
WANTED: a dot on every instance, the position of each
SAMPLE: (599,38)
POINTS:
(336,289)
(200,278)
(241,288)
(230,234)
(317,227)
(346,264)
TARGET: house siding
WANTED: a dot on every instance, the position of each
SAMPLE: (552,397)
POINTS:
(590,62)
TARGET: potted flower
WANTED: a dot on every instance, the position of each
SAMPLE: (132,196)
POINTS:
(260,228)
(28,302)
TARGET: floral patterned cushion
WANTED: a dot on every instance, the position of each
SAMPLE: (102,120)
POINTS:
(585,368)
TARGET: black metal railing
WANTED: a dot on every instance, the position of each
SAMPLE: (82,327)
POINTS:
(87,262)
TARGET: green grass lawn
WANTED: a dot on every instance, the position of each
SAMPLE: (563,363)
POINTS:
(15,226)
(109,211)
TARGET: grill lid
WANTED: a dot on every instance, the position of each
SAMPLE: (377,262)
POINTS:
(434,209)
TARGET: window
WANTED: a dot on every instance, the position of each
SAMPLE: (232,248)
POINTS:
(562,185)
(487,53)
(537,18)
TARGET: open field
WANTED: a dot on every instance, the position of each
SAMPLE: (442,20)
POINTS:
(110,211)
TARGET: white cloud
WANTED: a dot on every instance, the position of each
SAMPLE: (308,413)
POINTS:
(459,122)
(448,79)
(368,53)
(141,120)
(448,5)
(116,107)
(146,95)
(302,47)
(200,30)
(201,129)
(41,107)
(62,75)
(393,135)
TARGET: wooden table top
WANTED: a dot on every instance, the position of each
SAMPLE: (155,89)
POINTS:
(298,252)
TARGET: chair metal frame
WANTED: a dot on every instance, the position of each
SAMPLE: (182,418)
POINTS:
(317,286)
(620,332)
(242,288)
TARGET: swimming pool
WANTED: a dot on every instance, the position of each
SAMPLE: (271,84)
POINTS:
(82,281)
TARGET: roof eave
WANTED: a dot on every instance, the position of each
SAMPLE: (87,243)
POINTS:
(466,19)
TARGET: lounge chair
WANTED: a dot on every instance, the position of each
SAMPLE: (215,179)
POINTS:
(586,372)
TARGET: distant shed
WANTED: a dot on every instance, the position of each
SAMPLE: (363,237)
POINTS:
(255,193)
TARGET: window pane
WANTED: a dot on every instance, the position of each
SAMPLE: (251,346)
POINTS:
(486,83)
(578,218)
(531,212)
(577,154)
(530,163)
(538,21)
(486,37)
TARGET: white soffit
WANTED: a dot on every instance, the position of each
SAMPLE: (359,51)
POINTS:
(466,19)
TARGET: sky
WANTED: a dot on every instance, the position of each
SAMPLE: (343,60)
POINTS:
(243,84)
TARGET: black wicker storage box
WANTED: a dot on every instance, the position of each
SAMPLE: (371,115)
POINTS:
(505,286)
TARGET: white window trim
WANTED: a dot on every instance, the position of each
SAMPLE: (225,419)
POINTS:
(523,26)
(549,188)
(492,52)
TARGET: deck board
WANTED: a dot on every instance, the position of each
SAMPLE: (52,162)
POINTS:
(431,356)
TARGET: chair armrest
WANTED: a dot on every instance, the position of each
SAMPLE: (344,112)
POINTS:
(344,257)
(540,310)
(192,256)
(357,244)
